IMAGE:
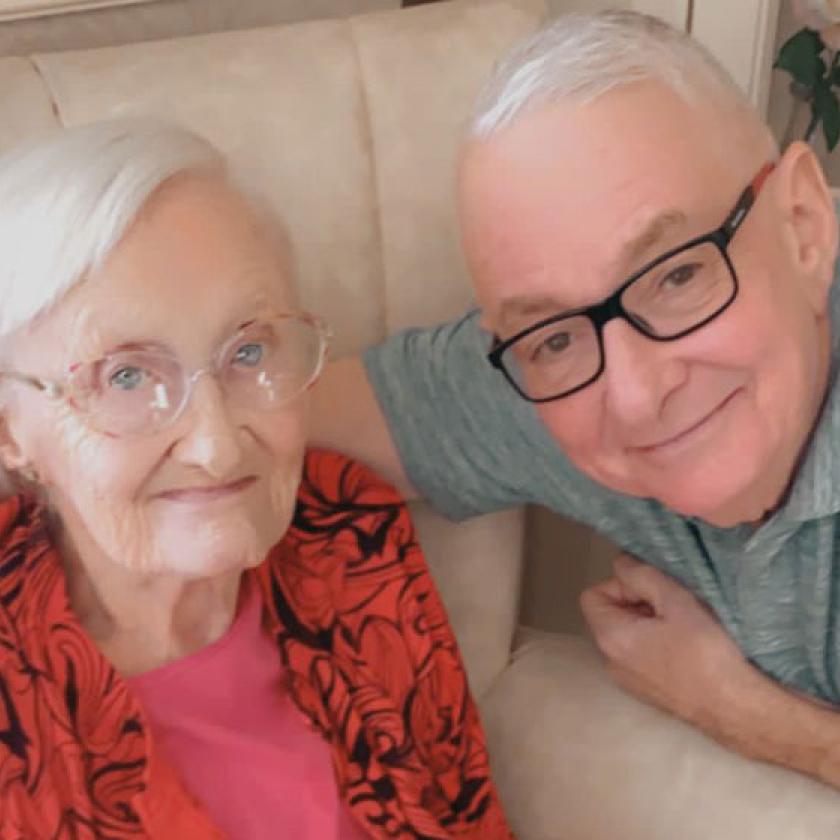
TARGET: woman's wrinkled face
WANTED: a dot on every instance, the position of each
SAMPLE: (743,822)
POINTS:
(215,490)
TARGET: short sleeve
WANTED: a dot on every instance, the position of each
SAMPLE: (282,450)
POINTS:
(467,441)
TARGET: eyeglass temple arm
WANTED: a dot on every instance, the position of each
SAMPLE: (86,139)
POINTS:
(51,389)
(745,202)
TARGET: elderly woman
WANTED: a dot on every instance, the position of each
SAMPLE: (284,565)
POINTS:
(204,632)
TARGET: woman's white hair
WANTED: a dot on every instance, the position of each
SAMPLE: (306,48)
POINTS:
(582,56)
(67,200)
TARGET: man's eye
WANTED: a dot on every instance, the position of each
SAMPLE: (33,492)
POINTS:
(553,345)
(249,354)
(128,378)
(680,276)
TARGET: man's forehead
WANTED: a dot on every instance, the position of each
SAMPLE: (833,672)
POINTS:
(567,202)
(557,290)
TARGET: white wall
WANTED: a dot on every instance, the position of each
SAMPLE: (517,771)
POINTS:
(742,36)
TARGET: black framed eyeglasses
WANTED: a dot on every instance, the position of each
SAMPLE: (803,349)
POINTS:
(669,298)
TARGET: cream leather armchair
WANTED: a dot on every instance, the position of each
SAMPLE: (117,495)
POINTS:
(350,129)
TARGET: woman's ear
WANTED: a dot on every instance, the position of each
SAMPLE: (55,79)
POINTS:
(17,473)
(809,221)
(12,456)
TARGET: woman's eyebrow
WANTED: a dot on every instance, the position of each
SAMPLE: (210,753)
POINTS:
(138,346)
(98,343)
(256,310)
(91,337)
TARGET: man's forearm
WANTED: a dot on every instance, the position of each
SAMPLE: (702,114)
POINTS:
(347,417)
(675,655)
(773,724)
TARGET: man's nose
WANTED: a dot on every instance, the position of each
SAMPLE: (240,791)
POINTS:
(640,374)
(211,439)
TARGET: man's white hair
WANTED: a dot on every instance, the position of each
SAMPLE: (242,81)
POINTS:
(67,200)
(582,56)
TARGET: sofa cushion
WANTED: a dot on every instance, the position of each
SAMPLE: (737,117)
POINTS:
(576,758)
(477,568)
(26,108)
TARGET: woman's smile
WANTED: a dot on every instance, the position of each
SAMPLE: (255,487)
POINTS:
(201,495)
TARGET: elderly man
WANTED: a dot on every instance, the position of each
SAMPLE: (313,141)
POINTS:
(653,356)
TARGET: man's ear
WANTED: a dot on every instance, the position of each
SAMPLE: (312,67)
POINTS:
(810,225)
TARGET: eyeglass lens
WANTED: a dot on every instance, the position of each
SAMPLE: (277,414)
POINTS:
(265,366)
(672,298)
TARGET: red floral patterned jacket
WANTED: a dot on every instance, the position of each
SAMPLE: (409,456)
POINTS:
(360,630)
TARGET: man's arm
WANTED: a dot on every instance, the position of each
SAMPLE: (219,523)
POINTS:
(664,646)
(428,411)
(346,416)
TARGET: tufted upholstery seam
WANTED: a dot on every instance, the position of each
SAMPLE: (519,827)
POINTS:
(369,136)
(39,70)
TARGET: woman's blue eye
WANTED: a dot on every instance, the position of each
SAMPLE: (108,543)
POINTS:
(128,378)
(249,354)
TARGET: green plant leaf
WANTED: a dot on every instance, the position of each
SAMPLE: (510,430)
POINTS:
(801,56)
(827,107)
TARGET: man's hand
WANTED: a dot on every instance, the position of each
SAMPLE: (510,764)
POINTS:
(662,645)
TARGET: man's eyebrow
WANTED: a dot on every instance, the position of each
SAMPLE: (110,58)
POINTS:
(649,235)
(532,308)
(528,309)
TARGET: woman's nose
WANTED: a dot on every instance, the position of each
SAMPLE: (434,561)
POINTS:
(639,373)
(211,439)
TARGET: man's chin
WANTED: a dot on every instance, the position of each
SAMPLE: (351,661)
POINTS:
(716,493)
(688,497)
(716,508)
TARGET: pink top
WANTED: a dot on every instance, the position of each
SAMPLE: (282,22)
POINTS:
(226,724)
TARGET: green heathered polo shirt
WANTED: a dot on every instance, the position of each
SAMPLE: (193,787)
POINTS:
(471,446)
